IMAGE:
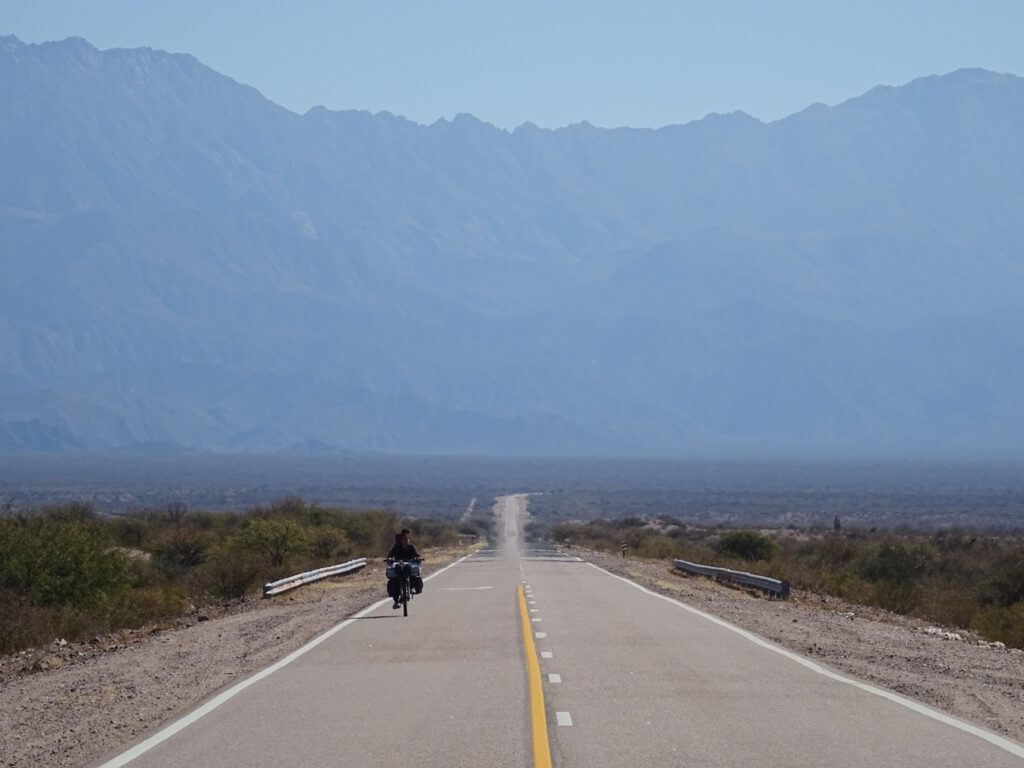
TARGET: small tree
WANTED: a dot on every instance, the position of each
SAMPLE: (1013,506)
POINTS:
(274,538)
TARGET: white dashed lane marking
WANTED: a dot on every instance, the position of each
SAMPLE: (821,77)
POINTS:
(553,678)
(541,635)
(563,718)
(547,655)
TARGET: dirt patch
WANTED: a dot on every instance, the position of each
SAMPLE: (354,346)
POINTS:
(976,682)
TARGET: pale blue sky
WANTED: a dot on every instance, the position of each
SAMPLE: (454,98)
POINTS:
(553,63)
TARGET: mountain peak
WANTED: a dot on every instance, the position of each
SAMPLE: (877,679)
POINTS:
(75,45)
(736,117)
(958,78)
(76,41)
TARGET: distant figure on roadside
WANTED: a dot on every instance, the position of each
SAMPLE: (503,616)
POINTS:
(403,549)
(836,525)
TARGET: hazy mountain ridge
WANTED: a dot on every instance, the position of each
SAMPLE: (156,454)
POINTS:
(185,262)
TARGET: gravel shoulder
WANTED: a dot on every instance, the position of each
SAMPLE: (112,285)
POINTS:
(69,705)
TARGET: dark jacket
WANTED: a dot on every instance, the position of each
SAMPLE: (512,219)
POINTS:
(402,552)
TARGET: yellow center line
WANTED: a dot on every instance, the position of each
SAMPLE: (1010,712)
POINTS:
(538,718)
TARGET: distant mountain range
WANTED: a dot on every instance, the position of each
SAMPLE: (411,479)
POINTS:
(185,265)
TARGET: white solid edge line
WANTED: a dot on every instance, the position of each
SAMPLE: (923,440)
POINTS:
(1012,747)
(165,733)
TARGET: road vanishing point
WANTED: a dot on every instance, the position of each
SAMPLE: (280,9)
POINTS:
(518,656)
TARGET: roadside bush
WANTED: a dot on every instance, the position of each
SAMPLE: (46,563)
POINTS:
(72,512)
(895,596)
(481,525)
(655,547)
(60,558)
(330,544)
(831,553)
(227,574)
(67,572)
(1005,585)
(1002,623)
(20,621)
(896,563)
(949,606)
(178,552)
(130,532)
(370,531)
(747,545)
(273,538)
(536,530)
(431,533)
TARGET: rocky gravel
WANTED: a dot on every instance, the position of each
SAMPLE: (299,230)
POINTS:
(70,704)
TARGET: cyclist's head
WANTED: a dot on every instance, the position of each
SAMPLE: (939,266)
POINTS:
(404,535)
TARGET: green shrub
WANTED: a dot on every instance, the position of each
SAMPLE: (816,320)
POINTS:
(949,606)
(179,551)
(370,532)
(747,545)
(896,596)
(328,544)
(1003,623)
(274,538)
(145,605)
(227,574)
(895,562)
(1005,583)
(60,558)
(19,621)
(68,572)
(831,553)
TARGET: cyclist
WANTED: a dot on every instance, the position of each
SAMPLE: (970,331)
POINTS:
(403,549)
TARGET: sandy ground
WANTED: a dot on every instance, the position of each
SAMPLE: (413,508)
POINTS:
(69,705)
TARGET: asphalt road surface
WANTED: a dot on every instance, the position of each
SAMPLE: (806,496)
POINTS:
(629,678)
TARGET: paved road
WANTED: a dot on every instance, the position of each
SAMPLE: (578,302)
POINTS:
(630,678)
(646,682)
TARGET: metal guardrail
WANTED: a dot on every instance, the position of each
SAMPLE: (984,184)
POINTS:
(764,583)
(291,582)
